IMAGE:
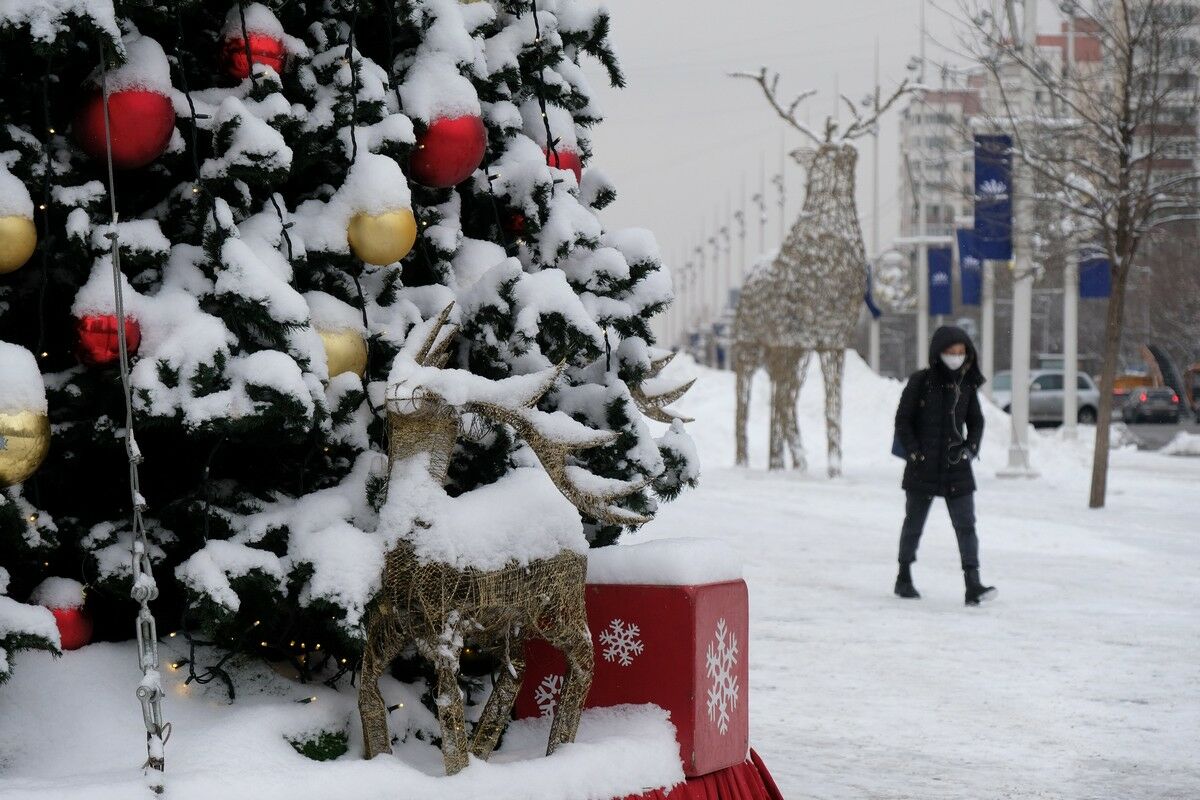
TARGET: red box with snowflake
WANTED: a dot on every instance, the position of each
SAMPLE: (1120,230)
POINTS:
(683,648)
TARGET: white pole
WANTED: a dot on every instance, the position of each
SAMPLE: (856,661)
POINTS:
(987,352)
(1071,342)
(923,247)
(1018,451)
(873,330)
(1071,292)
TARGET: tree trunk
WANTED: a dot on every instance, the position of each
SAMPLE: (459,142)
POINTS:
(1112,350)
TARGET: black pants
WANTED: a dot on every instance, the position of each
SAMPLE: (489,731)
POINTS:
(962,517)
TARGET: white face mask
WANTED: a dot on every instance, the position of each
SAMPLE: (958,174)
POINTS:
(953,363)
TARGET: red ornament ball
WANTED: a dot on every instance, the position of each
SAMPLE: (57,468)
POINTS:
(566,159)
(141,123)
(263,50)
(74,627)
(448,152)
(98,343)
(514,223)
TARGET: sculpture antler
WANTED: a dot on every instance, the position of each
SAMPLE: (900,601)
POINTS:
(859,127)
(770,90)
(512,401)
(654,403)
(864,125)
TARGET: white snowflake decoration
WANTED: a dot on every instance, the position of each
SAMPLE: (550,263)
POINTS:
(622,642)
(993,189)
(722,659)
(546,694)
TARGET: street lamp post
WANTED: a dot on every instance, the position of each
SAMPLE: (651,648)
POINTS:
(1018,451)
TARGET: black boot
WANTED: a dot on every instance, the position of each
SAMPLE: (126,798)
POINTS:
(976,591)
(904,584)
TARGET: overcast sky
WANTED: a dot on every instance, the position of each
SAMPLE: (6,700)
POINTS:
(680,140)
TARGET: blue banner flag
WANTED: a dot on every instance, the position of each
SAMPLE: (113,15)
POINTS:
(993,197)
(970,268)
(869,296)
(1095,278)
(941,294)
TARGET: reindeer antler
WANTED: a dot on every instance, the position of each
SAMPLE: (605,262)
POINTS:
(859,127)
(553,438)
(771,92)
(434,350)
(863,125)
(654,404)
(425,384)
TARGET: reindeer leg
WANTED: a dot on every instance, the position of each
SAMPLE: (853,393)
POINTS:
(504,695)
(794,441)
(449,700)
(575,642)
(833,363)
(383,643)
(781,371)
(743,365)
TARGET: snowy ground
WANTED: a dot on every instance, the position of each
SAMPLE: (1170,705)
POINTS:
(1080,681)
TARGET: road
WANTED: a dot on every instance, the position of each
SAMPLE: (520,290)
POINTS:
(1154,437)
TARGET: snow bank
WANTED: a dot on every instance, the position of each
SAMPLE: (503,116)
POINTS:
(1184,444)
(665,562)
(218,748)
(868,416)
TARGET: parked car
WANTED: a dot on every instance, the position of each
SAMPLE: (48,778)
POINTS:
(1046,396)
(1150,404)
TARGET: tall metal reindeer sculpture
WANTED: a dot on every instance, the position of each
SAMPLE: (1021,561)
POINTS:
(436,605)
(807,298)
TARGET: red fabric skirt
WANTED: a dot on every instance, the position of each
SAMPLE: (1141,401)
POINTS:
(746,781)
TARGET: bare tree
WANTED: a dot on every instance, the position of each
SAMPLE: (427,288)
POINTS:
(1110,136)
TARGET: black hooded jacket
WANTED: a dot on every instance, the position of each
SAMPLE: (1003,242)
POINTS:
(937,406)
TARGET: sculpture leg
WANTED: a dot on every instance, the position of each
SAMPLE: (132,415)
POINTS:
(832,365)
(383,644)
(449,700)
(782,371)
(744,366)
(794,441)
(575,642)
(499,706)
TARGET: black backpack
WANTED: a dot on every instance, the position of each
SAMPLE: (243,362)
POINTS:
(898,446)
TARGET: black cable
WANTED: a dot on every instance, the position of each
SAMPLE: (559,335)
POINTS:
(45,209)
(551,142)
(353,85)
(246,43)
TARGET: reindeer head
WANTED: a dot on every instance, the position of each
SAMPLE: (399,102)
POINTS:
(427,404)
(830,168)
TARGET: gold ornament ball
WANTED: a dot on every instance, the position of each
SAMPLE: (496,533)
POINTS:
(18,239)
(382,239)
(346,351)
(24,442)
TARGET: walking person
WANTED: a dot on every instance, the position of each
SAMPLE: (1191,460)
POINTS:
(939,428)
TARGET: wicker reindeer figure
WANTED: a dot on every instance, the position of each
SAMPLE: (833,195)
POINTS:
(806,299)
(436,603)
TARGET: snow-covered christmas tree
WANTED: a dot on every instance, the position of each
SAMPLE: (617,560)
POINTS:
(287,190)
